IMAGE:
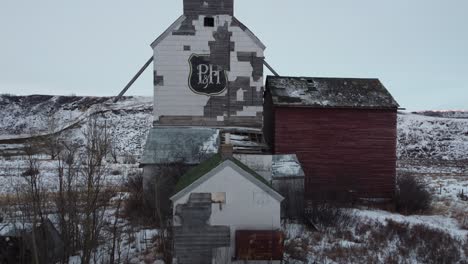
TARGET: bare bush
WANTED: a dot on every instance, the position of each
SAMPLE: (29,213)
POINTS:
(136,208)
(94,197)
(325,215)
(412,195)
(426,244)
(297,249)
(52,142)
(377,242)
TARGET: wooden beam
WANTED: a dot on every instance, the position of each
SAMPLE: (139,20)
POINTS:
(270,68)
(133,80)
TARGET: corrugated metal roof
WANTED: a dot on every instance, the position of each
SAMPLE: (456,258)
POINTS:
(189,145)
(329,92)
(286,166)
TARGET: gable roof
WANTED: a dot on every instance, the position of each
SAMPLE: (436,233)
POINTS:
(177,24)
(329,92)
(211,167)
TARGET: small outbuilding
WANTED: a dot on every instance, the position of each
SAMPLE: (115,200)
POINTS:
(343,131)
(219,200)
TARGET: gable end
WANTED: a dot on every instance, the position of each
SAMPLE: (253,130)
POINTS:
(238,169)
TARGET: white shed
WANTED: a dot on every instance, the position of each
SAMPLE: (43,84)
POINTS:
(216,199)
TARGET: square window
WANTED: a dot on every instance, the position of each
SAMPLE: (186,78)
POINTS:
(218,197)
(186,48)
(209,22)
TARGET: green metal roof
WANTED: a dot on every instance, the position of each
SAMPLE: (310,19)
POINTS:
(208,165)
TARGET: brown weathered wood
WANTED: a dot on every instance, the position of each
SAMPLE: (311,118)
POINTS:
(243,121)
(270,68)
(133,79)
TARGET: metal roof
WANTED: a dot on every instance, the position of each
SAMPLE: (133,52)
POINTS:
(286,166)
(329,92)
(211,167)
(189,145)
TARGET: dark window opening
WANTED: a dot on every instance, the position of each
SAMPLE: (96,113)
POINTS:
(186,47)
(209,21)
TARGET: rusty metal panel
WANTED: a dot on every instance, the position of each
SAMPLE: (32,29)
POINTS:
(259,245)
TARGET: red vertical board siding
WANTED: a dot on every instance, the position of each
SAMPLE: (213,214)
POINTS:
(341,150)
(259,245)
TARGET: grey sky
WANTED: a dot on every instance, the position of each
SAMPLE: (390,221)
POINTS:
(417,48)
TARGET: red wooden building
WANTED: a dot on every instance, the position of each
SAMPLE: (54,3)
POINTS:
(344,132)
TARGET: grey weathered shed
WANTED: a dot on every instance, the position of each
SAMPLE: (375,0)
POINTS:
(288,179)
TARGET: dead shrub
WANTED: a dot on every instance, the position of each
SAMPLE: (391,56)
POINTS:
(116,172)
(464,223)
(434,246)
(429,245)
(326,215)
(30,172)
(412,196)
(296,249)
(129,159)
(466,246)
(136,209)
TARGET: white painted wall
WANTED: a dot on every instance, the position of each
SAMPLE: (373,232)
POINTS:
(175,98)
(247,206)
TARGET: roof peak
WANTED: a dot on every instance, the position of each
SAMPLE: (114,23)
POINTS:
(208,168)
(208,7)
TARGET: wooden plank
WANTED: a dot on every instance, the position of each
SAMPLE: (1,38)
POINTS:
(340,149)
(132,81)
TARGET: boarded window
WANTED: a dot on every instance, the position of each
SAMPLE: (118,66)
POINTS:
(240,95)
(218,197)
(209,22)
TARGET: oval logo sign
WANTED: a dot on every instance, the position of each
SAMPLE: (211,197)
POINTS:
(206,78)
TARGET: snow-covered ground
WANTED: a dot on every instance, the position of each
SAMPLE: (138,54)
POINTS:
(11,174)
(425,137)
(376,236)
(432,148)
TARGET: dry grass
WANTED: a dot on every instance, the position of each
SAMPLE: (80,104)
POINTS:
(391,242)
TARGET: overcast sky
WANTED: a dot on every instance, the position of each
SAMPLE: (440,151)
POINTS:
(417,48)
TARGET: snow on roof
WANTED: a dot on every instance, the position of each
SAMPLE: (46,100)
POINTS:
(286,166)
(273,166)
(329,92)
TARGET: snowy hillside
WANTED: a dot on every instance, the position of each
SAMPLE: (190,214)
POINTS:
(419,136)
(432,137)
(446,114)
(26,116)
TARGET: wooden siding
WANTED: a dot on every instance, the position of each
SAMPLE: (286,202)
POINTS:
(240,104)
(259,245)
(344,152)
